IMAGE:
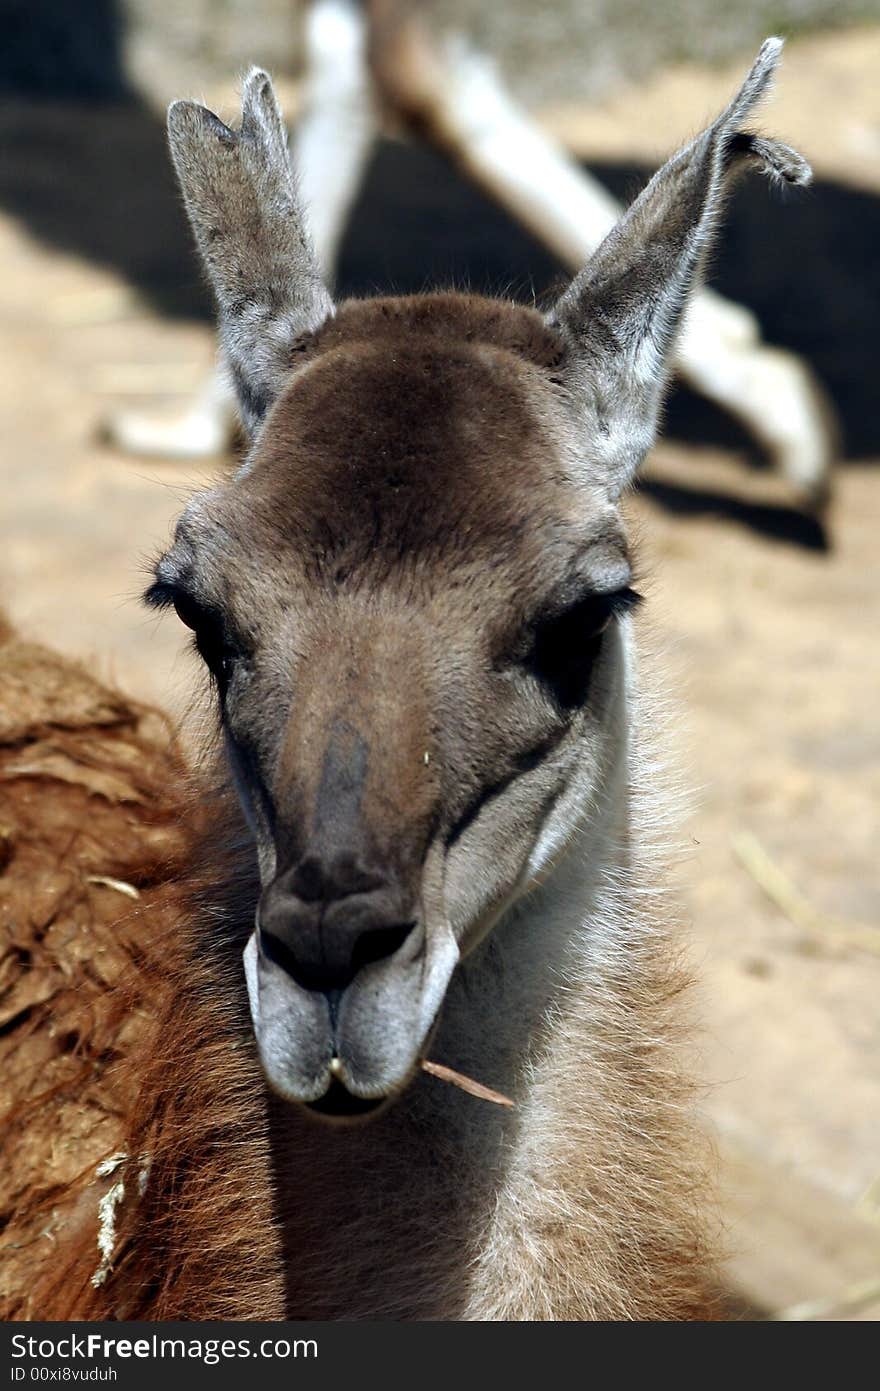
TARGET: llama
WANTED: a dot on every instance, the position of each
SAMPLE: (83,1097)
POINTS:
(430,835)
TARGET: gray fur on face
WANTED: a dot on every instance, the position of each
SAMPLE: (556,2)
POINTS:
(240,195)
(621,314)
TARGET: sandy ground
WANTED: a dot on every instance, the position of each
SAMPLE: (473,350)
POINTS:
(771,662)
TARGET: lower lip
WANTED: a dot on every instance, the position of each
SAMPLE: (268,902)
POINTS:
(338,1102)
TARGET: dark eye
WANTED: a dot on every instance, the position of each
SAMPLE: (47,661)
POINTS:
(565,645)
(212,640)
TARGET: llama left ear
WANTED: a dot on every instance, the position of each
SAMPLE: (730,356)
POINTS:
(620,315)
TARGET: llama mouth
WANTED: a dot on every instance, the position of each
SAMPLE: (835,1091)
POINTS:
(345,1058)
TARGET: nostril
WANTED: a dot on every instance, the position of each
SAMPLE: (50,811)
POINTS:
(378,943)
(328,978)
(279,953)
(331,977)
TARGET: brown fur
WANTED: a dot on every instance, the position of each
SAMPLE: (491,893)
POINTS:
(90,785)
(233,1197)
(162,1062)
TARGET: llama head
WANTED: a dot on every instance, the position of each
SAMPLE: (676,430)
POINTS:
(412,596)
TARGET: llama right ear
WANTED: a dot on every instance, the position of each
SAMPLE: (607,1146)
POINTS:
(619,317)
(240,195)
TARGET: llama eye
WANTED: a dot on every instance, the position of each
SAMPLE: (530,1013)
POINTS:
(564,646)
(211,641)
(188,611)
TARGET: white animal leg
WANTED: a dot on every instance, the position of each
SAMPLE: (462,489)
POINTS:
(331,145)
(462,104)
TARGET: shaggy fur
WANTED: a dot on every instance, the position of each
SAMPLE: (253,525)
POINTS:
(90,792)
(588,1202)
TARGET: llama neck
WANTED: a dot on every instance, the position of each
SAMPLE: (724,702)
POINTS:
(578,1203)
(447,1206)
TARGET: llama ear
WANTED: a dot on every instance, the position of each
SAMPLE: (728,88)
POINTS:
(240,194)
(620,315)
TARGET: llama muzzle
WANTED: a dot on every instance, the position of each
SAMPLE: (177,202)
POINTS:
(344,1053)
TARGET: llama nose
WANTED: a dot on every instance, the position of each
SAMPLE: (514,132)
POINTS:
(323,925)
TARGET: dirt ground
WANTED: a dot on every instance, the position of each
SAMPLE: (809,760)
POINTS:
(771,661)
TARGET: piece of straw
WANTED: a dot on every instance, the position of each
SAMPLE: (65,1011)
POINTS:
(775,883)
(467,1084)
(118,885)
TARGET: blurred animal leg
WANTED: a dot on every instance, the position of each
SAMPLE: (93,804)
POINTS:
(332,143)
(454,96)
